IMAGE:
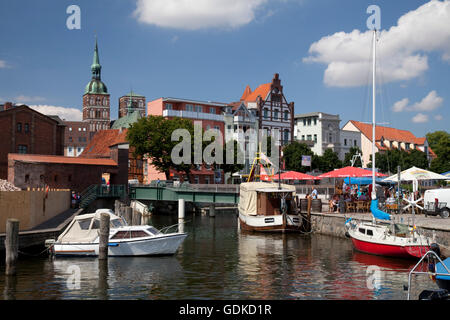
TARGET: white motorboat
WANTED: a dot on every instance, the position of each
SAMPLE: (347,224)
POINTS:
(268,207)
(81,238)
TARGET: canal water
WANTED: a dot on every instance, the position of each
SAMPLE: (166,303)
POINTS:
(218,261)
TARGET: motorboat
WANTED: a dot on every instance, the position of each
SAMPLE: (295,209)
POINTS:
(385,239)
(268,207)
(81,238)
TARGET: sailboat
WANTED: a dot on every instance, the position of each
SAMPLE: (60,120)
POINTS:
(384,238)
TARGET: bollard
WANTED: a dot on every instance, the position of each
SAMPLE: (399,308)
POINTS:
(212,210)
(127,214)
(181,208)
(308,216)
(135,218)
(104,236)
(103,279)
(11,246)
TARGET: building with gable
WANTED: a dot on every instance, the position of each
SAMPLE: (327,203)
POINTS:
(387,138)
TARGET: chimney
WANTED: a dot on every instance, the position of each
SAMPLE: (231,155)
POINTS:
(8,105)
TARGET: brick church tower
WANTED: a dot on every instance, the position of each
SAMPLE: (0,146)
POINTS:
(96,103)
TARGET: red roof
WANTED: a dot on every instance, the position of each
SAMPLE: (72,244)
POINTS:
(390,134)
(60,159)
(246,93)
(350,172)
(262,91)
(99,145)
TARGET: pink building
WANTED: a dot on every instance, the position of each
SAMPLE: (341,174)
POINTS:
(210,114)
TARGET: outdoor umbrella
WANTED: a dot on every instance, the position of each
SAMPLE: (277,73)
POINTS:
(415,173)
(350,172)
(294,175)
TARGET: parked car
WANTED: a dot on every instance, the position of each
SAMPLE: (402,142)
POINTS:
(437,202)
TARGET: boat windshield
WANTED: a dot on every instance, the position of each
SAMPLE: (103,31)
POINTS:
(116,223)
(153,230)
(84,223)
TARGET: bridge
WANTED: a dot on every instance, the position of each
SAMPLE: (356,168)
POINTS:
(197,193)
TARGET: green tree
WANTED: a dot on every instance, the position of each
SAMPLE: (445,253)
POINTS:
(292,154)
(238,154)
(151,137)
(439,142)
(329,161)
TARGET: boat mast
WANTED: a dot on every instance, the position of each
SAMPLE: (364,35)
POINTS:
(374,194)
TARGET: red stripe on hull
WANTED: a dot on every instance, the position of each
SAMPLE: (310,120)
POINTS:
(390,250)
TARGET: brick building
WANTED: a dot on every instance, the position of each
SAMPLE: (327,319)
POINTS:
(27,131)
(210,114)
(76,138)
(96,103)
(130,103)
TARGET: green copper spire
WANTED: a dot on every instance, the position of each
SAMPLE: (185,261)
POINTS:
(96,68)
(96,86)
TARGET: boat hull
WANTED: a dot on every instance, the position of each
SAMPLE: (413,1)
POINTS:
(160,245)
(275,223)
(389,250)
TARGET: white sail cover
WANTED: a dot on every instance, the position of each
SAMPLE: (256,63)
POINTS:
(248,194)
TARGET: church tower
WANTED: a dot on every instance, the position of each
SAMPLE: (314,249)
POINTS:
(96,104)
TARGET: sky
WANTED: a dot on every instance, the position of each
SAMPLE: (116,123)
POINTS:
(210,50)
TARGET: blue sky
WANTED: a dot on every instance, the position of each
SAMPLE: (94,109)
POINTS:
(211,49)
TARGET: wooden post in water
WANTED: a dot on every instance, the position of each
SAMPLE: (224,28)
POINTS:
(104,236)
(11,246)
(181,211)
(308,216)
(212,210)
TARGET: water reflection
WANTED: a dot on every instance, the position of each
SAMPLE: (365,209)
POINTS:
(218,261)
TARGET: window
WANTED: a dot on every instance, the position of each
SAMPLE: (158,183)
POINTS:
(369,232)
(84,224)
(362,230)
(27,127)
(354,143)
(275,114)
(70,139)
(27,178)
(330,138)
(169,106)
(70,149)
(96,224)
(206,180)
(304,122)
(266,113)
(286,135)
(315,121)
(189,107)
(198,108)
(309,121)
(217,128)
(19,127)
(22,149)
(286,115)
(78,149)
(212,110)
(315,138)
(309,137)
(303,137)
(345,142)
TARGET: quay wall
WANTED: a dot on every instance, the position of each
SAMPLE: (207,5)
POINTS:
(334,224)
(32,207)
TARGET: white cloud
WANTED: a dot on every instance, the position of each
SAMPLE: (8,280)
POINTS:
(401,50)
(420,118)
(431,102)
(438,117)
(3,64)
(68,114)
(190,15)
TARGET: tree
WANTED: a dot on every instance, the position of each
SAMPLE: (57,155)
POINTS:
(329,161)
(292,154)
(151,137)
(349,155)
(238,154)
(439,142)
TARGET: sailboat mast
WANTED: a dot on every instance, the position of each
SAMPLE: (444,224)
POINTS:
(374,194)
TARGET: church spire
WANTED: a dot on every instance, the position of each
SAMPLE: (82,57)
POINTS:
(96,68)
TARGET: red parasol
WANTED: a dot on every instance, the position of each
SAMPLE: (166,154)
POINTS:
(294,175)
(350,172)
